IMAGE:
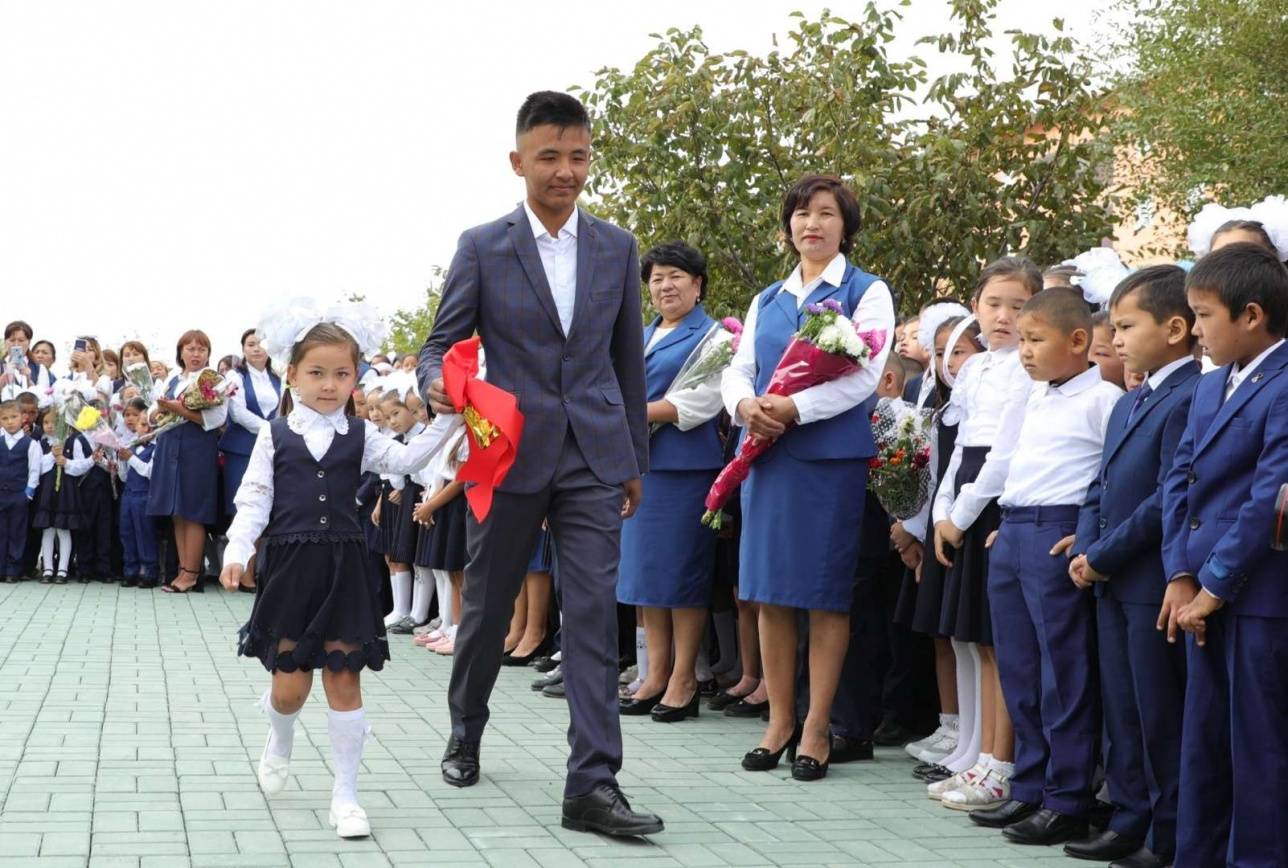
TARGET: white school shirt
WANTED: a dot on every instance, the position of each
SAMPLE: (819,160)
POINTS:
(559,261)
(239,412)
(988,399)
(211,418)
(34,455)
(78,463)
(1238,375)
(694,406)
(1160,376)
(1056,454)
(874,312)
(380,453)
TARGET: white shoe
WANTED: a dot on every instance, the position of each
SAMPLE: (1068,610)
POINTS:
(936,790)
(916,747)
(946,746)
(273,770)
(989,791)
(394,617)
(349,820)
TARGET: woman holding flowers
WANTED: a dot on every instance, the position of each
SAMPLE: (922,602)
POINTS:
(667,556)
(185,465)
(802,504)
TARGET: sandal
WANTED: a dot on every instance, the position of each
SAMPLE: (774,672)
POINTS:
(169,587)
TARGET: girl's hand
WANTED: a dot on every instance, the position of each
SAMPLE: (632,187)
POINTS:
(911,556)
(61,461)
(395,497)
(231,575)
(57,450)
(424,514)
(124,454)
(375,515)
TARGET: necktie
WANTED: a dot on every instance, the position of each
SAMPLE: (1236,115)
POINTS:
(1141,395)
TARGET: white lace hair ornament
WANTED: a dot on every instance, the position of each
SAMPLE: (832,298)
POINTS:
(1099,271)
(285,324)
(1271,212)
(930,320)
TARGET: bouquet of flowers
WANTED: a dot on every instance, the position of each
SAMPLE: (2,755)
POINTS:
(707,361)
(899,474)
(207,389)
(139,375)
(827,347)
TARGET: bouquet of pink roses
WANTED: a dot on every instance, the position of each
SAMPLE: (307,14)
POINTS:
(827,347)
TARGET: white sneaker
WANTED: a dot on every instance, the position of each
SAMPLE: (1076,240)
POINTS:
(989,791)
(273,770)
(936,790)
(349,820)
(946,746)
(394,617)
(916,747)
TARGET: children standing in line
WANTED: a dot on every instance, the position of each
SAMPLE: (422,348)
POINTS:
(138,532)
(19,475)
(445,550)
(58,507)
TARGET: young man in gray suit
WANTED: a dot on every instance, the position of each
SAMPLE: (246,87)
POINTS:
(554,293)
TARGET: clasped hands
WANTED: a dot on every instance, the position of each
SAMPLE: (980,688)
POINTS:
(767,416)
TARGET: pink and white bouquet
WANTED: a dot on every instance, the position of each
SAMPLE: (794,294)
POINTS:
(707,361)
(899,474)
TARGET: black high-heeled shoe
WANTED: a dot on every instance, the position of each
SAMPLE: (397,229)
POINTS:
(638,707)
(806,768)
(762,759)
(675,713)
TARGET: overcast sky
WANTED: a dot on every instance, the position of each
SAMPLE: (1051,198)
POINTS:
(171,163)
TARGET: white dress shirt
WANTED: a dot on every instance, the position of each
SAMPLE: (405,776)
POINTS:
(211,418)
(988,400)
(874,312)
(559,261)
(1056,454)
(1160,376)
(265,394)
(695,406)
(380,454)
(1238,375)
(78,462)
(34,455)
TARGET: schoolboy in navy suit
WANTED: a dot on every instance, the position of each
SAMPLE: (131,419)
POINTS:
(1227,587)
(1120,529)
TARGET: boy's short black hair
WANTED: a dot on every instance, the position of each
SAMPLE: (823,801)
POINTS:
(28,399)
(1243,274)
(911,369)
(1062,307)
(676,254)
(894,365)
(551,107)
(1159,290)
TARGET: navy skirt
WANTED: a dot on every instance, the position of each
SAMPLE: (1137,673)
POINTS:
(801,522)
(185,475)
(668,556)
(965,614)
(59,509)
(398,525)
(234,469)
(447,544)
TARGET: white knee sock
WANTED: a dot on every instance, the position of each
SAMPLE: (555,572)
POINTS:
(969,708)
(401,583)
(47,550)
(64,558)
(422,594)
(348,731)
(443,585)
(641,653)
(726,641)
(281,727)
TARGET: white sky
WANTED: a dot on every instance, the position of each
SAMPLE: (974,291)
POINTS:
(166,164)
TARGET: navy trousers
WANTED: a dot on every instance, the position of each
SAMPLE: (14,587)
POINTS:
(1044,632)
(94,539)
(138,536)
(13,532)
(1234,753)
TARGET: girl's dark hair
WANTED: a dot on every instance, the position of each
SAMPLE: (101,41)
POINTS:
(676,254)
(1020,268)
(53,352)
(231,361)
(242,364)
(1253,227)
(17,326)
(109,355)
(1101,318)
(137,404)
(138,347)
(191,336)
(321,335)
(804,189)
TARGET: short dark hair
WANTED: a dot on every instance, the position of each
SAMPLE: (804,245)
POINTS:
(138,405)
(676,254)
(17,326)
(53,352)
(10,405)
(551,107)
(27,398)
(1253,227)
(1159,290)
(1020,268)
(1062,307)
(1243,274)
(894,364)
(1101,318)
(804,189)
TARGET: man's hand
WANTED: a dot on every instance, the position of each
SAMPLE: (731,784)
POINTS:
(438,400)
(634,494)
(1180,592)
(947,534)
(231,575)
(759,423)
(780,408)
(1193,618)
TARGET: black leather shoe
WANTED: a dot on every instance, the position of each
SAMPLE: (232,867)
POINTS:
(544,664)
(722,700)
(921,768)
(1003,815)
(553,677)
(1105,847)
(511,660)
(806,768)
(708,689)
(673,713)
(934,774)
(849,750)
(638,707)
(892,733)
(743,708)
(762,759)
(606,811)
(460,765)
(1142,858)
(130,582)
(555,691)
(1046,827)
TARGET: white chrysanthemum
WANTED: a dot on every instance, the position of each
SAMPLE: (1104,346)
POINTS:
(830,338)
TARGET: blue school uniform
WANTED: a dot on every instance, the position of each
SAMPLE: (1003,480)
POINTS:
(93,541)
(238,441)
(1218,516)
(802,503)
(667,555)
(15,469)
(1142,676)
(138,530)
(185,472)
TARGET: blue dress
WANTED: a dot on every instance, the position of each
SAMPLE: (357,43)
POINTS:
(802,504)
(668,557)
(237,442)
(185,472)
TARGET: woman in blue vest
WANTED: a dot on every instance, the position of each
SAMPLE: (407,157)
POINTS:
(185,465)
(802,505)
(251,407)
(668,557)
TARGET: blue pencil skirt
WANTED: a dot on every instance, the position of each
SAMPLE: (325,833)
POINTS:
(668,556)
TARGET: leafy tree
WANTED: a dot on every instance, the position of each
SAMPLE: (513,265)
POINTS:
(408,327)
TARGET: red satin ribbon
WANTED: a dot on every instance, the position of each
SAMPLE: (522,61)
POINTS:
(487,466)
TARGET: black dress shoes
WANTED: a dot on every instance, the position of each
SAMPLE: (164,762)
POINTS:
(1046,827)
(544,664)
(606,811)
(1142,858)
(526,659)
(638,707)
(460,765)
(1003,815)
(722,700)
(849,750)
(743,708)
(556,690)
(675,713)
(1105,847)
(892,733)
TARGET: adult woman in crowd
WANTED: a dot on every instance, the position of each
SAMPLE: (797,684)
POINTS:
(33,373)
(185,466)
(668,557)
(802,504)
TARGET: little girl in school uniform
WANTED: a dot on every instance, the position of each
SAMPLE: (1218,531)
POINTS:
(444,510)
(97,494)
(58,506)
(138,531)
(314,607)
(396,507)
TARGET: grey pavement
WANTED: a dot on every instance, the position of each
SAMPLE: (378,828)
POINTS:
(129,736)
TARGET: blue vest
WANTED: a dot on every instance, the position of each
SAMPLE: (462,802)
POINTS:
(670,448)
(314,499)
(239,440)
(13,466)
(135,483)
(847,436)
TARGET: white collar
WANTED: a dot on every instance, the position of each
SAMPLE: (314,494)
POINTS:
(539,228)
(1079,384)
(11,439)
(1160,376)
(832,276)
(303,418)
(257,374)
(1239,374)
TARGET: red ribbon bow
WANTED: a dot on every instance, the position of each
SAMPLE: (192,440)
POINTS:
(494,423)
